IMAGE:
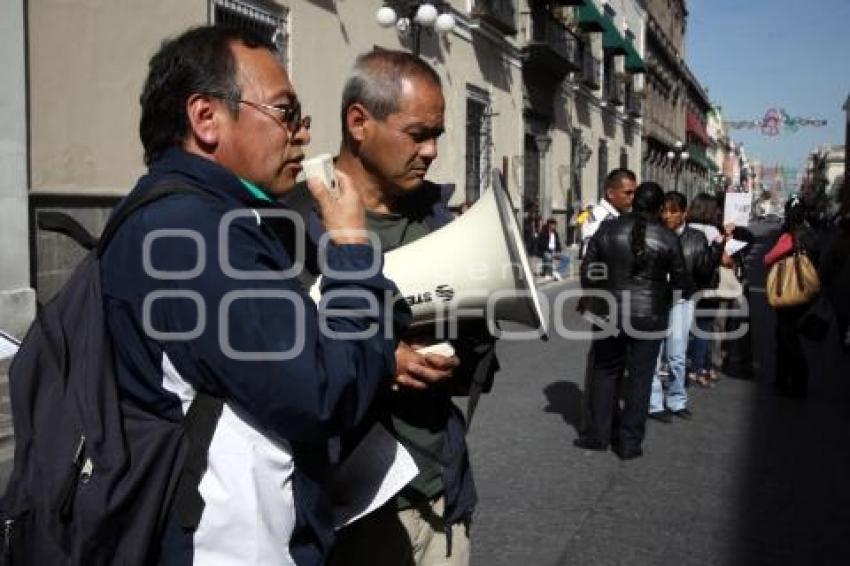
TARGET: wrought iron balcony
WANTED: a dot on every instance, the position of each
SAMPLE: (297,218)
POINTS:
(634,104)
(591,68)
(550,48)
(614,90)
(500,14)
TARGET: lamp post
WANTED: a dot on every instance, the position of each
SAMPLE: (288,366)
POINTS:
(543,143)
(580,157)
(410,17)
(678,156)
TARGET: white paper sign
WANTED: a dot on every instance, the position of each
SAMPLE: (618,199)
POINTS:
(734,246)
(8,345)
(737,208)
(377,469)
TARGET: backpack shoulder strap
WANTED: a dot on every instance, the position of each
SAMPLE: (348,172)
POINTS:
(199,424)
(164,188)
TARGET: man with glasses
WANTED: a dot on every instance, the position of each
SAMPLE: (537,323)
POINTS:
(201,296)
(392,118)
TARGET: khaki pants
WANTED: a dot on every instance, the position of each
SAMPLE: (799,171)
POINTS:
(413,537)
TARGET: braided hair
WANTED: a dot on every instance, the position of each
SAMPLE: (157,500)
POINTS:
(649,200)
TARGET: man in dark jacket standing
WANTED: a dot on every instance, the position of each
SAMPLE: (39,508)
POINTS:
(392,112)
(632,266)
(701,260)
(549,248)
(200,294)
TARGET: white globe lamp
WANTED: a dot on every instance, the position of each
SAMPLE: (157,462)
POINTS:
(426,15)
(385,16)
(445,23)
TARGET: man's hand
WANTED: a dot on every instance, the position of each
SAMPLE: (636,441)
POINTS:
(417,371)
(344,217)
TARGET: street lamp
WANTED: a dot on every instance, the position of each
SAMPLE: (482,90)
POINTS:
(409,18)
(678,156)
(581,155)
(543,142)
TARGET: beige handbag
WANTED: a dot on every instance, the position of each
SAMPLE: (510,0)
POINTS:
(792,281)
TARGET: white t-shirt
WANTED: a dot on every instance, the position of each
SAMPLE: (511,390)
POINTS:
(599,214)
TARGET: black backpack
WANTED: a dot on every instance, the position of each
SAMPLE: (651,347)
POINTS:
(95,477)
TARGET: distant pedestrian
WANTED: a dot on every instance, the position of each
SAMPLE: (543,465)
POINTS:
(704,215)
(638,263)
(701,261)
(618,193)
(835,275)
(549,247)
(792,369)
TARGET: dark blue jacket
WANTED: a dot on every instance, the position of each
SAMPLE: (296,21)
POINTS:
(301,400)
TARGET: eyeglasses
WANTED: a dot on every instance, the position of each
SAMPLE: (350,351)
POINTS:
(289,115)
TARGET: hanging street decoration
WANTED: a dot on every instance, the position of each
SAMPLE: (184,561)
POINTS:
(776,120)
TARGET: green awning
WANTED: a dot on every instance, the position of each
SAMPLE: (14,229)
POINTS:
(589,17)
(612,39)
(634,63)
(698,155)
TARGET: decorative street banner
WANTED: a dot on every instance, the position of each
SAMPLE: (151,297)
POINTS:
(776,120)
(737,208)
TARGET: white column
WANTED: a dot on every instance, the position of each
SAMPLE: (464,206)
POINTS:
(17,299)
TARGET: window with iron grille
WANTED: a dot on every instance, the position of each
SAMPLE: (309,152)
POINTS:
(264,17)
(478,141)
(603,166)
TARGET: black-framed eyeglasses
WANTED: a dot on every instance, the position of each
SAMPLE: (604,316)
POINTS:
(288,115)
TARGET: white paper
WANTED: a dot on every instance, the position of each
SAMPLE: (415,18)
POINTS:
(8,346)
(440,348)
(377,469)
(321,168)
(734,246)
(736,208)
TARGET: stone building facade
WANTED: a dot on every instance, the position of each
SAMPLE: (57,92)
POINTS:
(549,92)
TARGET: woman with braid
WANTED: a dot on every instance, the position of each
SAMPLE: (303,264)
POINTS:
(635,268)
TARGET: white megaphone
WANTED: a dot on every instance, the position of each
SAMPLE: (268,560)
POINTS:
(475,267)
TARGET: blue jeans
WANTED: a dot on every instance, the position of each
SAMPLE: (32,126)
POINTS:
(700,349)
(674,350)
(547,263)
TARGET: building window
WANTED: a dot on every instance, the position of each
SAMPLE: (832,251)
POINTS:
(624,158)
(261,16)
(478,142)
(603,166)
(531,173)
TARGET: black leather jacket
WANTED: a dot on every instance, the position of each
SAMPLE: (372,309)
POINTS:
(701,260)
(643,294)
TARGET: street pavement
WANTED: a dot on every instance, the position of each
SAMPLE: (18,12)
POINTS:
(753,479)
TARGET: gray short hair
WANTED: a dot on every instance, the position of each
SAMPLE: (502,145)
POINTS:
(375,82)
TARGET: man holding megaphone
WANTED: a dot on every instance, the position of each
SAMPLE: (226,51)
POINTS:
(392,113)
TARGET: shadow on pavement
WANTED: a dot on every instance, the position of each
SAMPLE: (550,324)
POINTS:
(564,398)
(794,471)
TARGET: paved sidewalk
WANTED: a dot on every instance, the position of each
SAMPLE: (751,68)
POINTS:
(753,479)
